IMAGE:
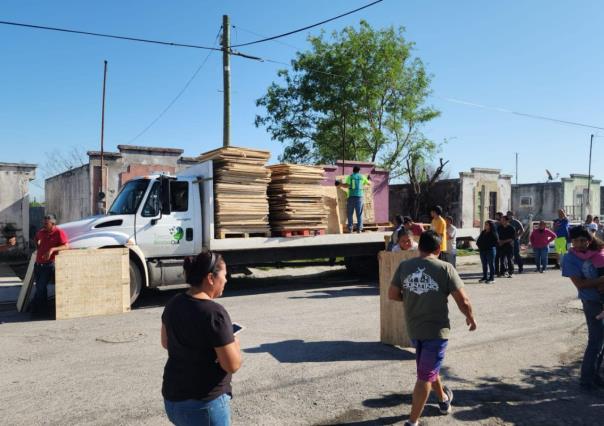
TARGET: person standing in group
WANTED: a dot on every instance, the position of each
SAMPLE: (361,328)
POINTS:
(561,227)
(585,278)
(439,225)
(423,284)
(600,228)
(487,243)
(590,224)
(540,239)
(49,240)
(507,234)
(517,225)
(451,241)
(416,228)
(203,353)
(355,183)
(398,225)
(496,225)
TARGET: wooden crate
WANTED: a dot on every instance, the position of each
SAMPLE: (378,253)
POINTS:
(393,327)
(92,282)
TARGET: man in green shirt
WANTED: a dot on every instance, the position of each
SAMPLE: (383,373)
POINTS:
(355,184)
(424,284)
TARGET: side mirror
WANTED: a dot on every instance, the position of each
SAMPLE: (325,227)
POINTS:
(165,196)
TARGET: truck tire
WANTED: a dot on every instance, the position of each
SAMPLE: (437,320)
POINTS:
(363,266)
(136,281)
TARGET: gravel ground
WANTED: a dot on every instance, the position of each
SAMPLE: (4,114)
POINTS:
(311,357)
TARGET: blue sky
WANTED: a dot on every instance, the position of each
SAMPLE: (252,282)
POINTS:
(539,57)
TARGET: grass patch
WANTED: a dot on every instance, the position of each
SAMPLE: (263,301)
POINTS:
(467,252)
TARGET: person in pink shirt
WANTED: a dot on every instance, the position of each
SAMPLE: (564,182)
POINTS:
(540,239)
(596,257)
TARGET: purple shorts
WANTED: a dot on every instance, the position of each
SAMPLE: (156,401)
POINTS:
(429,356)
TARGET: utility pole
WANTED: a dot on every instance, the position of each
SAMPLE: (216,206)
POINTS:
(516,168)
(101,194)
(588,204)
(226,80)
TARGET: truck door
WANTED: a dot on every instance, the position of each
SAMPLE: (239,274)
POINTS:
(167,235)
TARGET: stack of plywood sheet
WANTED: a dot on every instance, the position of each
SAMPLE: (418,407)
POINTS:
(240,183)
(296,200)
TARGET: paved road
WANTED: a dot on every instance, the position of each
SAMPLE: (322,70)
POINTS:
(312,357)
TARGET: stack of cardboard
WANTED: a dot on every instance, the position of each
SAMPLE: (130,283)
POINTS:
(296,198)
(240,183)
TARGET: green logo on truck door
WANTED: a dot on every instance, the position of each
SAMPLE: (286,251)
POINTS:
(177,233)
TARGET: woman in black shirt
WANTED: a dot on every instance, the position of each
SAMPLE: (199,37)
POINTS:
(487,242)
(203,353)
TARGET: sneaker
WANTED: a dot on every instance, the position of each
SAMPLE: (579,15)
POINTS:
(482,280)
(408,423)
(538,270)
(541,271)
(445,406)
(491,281)
(557,266)
(509,275)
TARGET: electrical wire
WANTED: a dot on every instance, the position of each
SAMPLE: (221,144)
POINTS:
(180,93)
(521,114)
(117,37)
(307,27)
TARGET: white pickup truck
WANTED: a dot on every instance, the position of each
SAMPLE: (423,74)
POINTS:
(162,219)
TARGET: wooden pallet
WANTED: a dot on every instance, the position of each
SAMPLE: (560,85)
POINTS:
(298,232)
(234,234)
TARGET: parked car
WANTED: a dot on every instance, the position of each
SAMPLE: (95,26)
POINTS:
(526,250)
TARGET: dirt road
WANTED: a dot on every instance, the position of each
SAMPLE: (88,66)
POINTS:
(311,356)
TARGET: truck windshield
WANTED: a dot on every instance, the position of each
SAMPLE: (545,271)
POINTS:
(130,197)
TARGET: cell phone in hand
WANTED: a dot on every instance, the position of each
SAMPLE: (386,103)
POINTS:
(237,328)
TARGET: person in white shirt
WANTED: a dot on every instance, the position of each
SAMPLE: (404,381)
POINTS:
(451,241)
(405,241)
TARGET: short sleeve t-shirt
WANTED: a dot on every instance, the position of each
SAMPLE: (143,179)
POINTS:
(47,240)
(517,225)
(451,232)
(195,327)
(425,285)
(355,183)
(561,227)
(572,266)
(440,227)
(417,229)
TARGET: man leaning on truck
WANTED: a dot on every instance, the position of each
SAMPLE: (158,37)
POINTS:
(49,240)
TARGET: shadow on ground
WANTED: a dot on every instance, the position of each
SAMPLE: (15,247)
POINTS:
(294,351)
(361,290)
(541,396)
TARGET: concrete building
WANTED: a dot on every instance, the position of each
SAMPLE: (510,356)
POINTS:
(14,199)
(73,194)
(471,199)
(542,200)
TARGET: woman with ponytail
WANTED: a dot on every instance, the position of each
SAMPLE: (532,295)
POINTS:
(203,353)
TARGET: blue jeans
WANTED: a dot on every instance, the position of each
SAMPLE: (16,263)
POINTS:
(487,258)
(355,204)
(44,274)
(517,257)
(541,257)
(592,359)
(216,412)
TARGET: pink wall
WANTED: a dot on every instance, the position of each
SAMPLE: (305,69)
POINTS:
(379,179)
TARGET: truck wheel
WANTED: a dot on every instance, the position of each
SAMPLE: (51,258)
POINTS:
(136,281)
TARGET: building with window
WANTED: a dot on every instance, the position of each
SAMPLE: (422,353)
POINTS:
(471,199)
(74,194)
(542,200)
(14,200)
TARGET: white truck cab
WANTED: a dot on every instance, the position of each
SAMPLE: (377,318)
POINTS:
(162,219)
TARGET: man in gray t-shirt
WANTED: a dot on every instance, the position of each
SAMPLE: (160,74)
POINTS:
(424,284)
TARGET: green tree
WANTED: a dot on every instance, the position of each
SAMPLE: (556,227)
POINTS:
(360,96)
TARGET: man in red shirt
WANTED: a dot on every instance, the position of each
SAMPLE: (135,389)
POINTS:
(49,240)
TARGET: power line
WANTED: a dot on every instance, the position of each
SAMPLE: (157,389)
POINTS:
(522,114)
(180,93)
(307,27)
(118,37)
